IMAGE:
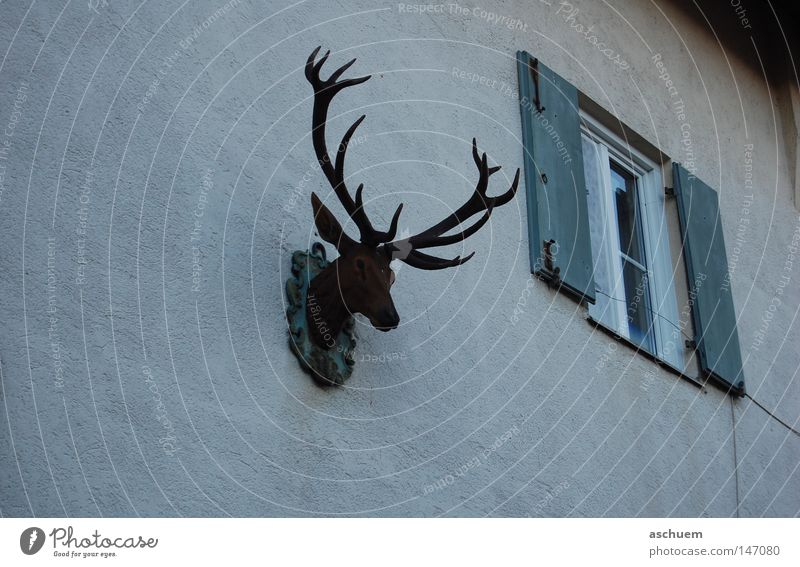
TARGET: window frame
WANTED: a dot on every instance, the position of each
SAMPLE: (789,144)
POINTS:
(651,205)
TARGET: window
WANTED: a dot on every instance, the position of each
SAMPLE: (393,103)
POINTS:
(598,232)
(635,296)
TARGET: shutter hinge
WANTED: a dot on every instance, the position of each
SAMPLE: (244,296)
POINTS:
(549,273)
(690,344)
(533,68)
(669,191)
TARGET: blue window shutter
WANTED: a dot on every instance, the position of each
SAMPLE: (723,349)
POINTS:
(554,180)
(713,315)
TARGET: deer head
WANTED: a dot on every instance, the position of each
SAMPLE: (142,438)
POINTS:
(360,279)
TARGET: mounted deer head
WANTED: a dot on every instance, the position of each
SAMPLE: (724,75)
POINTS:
(360,280)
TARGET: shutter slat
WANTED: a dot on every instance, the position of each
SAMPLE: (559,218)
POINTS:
(554,178)
(713,313)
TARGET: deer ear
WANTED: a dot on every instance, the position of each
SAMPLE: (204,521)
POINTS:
(329,228)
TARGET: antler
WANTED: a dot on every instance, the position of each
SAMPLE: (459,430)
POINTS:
(324,91)
(407,249)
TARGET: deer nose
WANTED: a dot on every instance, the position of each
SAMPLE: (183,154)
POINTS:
(388,319)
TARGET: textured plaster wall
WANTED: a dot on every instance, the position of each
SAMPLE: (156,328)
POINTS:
(159,142)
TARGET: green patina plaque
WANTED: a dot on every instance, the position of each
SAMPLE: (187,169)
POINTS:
(328,367)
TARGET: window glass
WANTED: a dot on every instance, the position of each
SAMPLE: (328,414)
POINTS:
(617,236)
(638,312)
(630,229)
(632,257)
(635,297)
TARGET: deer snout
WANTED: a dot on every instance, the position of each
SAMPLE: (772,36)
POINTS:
(387,319)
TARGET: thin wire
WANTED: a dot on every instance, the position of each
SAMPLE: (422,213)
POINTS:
(752,399)
(656,313)
(773,416)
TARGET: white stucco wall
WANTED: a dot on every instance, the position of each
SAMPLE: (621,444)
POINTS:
(164,400)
